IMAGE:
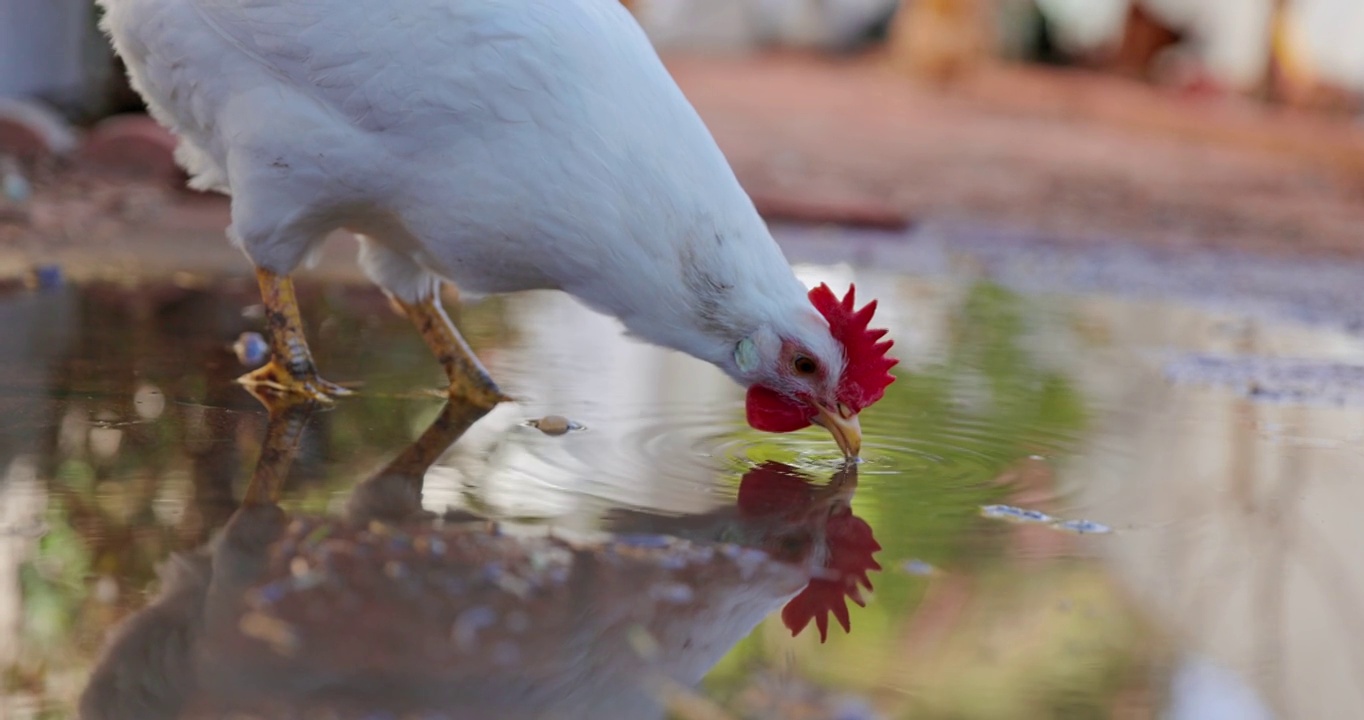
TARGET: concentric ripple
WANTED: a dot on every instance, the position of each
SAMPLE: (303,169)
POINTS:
(672,452)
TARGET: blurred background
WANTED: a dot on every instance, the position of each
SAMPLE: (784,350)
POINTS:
(1160,120)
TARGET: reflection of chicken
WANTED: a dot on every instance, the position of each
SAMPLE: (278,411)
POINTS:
(393,610)
(507,145)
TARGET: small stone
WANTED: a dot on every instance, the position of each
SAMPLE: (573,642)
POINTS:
(554,425)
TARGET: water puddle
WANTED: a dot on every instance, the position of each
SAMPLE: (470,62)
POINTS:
(1046,523)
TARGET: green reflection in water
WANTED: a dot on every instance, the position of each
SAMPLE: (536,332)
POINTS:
(991,642)
(945,434)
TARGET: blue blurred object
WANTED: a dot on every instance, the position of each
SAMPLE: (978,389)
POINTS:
(251,348)
(48,277)
(918,567)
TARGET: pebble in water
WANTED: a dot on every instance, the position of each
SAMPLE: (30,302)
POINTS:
(554,425)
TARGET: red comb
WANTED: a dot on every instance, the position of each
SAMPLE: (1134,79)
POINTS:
(867,372)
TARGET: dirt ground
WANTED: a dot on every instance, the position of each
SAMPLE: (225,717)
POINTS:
(1068,154)
(1062,154)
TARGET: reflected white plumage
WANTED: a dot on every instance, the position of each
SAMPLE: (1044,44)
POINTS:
(503,145)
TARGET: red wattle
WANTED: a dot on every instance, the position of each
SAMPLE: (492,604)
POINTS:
(771,411)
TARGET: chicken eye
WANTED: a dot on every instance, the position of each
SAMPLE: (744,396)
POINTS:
(804,365)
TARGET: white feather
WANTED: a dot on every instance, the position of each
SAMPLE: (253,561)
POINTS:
(502,144)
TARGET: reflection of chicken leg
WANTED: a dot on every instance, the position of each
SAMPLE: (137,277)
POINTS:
(383,611)
(393,494)
(288,418)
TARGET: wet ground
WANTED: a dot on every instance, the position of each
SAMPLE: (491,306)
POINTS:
(1103,486)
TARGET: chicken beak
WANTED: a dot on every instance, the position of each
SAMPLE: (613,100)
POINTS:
(843,425)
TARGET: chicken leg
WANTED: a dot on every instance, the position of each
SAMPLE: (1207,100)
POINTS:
(469,380)
(291,368)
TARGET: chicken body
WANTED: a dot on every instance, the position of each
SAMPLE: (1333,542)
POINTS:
(501,144)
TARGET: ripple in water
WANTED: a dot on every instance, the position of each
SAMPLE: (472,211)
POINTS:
(682,449)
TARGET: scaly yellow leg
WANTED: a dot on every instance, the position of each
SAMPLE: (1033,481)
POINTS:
(291,368)
(469,380)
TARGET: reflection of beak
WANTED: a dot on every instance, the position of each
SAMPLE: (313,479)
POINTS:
(843,425)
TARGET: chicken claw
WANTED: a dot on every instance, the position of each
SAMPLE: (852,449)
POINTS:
(469,380)
(291,369)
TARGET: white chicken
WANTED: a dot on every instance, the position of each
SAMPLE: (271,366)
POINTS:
(502,145)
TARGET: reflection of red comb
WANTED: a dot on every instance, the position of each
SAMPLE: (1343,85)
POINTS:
(774,489)
(867,372)
(851,547)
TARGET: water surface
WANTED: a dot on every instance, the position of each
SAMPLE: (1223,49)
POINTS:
(1215,572)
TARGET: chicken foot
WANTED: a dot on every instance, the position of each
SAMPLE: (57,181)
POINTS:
(291,369)
(469,380)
